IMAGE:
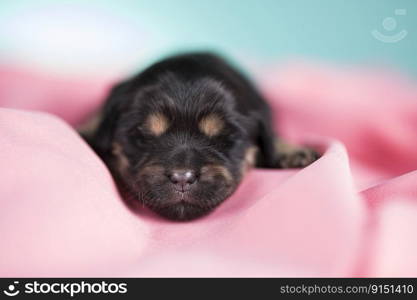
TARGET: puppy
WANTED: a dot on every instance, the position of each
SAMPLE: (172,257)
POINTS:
(180,136)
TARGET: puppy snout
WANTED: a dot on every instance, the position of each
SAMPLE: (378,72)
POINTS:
(182,179)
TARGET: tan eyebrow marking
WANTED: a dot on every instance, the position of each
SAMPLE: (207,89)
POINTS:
(211,125)
(157,123)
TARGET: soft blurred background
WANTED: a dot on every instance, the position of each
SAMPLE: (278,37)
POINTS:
(344,70)
(112,38)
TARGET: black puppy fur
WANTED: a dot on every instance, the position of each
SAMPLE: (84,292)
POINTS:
(180,135)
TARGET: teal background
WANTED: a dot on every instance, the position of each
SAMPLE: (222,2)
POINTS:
(261,30)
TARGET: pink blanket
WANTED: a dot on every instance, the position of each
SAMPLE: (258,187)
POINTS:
(351,213)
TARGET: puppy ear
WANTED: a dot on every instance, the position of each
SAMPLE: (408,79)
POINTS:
(101,138)
(267,156)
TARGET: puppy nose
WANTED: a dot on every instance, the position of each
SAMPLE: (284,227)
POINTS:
(182,179)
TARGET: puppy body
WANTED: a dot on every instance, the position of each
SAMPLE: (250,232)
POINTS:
(180,135)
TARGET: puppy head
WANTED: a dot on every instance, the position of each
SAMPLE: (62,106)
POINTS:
(181,149)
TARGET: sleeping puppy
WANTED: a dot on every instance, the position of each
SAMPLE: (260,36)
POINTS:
(180,136)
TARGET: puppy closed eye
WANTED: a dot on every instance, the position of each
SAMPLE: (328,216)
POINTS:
(156,124)
(211,125)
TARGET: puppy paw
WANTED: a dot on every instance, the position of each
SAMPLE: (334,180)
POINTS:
(298,158)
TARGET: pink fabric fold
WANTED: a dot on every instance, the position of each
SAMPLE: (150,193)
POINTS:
(351,213)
